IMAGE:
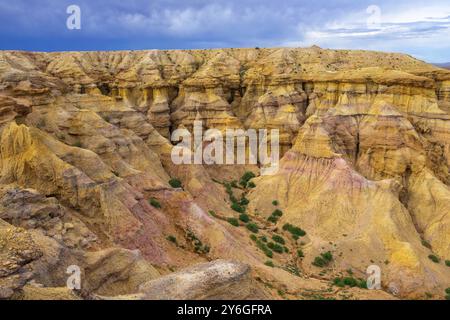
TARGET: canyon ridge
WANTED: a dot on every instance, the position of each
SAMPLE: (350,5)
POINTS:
(87,180)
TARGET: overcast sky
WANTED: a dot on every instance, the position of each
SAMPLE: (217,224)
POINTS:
(419,28)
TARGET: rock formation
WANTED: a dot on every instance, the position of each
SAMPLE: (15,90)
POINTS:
(85,166)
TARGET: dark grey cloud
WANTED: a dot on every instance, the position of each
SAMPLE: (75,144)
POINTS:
(135,24)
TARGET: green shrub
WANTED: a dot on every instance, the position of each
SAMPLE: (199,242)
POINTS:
(434,258)
(300,253)
(253,237)
(244,217)
(295,231)
(275,202)
(269,263)
(447,263)
(350,281)
(327,256)
(155,203)
(244,201)
(236,207)
(286,249)
(263,238)
(447,297)
(175,183)
(319,262)
(252,227)
(172,239)
(247,176)
(426,244)
(233,222)
(251,185)
(212,213)
(447,291)
(277,213)
(234,184)
(275,247)
(272,219)
(264,248)
(323,260)
(278,239)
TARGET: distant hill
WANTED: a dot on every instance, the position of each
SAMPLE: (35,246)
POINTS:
(443,65)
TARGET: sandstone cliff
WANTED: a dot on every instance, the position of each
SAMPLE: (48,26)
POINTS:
(85,168)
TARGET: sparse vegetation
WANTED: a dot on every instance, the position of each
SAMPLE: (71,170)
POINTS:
(275,216)
(246,177)
(172,239)
(275,247)
(244,201)
(154,203)
(434,258)
(278,239)
(323,260)
(199,247)
(236,207)
(244,217)
(251,185)
(426,244)
(253,227)
(350,282)
(264,248)
(212,213)
(295,231)
(269,263)
(233,222)
(175,183)
(77,144)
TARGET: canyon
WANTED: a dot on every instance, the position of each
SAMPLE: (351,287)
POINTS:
(86,176)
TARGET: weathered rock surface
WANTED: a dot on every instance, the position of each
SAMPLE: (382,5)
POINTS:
(365,171)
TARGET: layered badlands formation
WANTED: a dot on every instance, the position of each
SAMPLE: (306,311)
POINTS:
(365,140)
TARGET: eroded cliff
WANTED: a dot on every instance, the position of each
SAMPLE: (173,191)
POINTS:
(85,167)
